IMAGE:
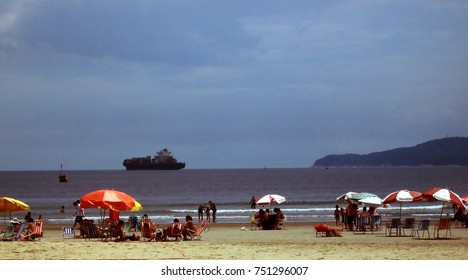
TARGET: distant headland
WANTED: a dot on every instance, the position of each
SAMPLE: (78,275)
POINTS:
(439,152)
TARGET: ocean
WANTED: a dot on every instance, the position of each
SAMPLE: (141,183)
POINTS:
(310,193)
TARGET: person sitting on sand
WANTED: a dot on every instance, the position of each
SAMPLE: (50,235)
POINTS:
(189,227)
(279,217)
(119,233)
(262,217)
(146,219)
(461,217)
(173,230)
(27,231)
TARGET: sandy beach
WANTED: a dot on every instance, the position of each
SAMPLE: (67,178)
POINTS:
(228,242)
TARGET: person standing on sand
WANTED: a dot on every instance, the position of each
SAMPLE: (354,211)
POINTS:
(337,213)
(352,214)
(344,217)
(207,212)
(213,209)
(79,213)
(200,212)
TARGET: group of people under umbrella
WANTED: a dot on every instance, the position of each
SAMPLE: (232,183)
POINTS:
(436,194)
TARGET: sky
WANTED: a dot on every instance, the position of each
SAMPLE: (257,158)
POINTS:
(226,84)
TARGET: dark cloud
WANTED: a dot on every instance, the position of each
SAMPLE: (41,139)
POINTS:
(226,83)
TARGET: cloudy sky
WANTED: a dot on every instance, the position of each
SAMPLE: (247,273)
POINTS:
(226,84)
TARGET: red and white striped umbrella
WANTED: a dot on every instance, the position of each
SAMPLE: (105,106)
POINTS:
(402,196)
(444,195)
(269,198)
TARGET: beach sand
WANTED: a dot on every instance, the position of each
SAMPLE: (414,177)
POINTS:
(228,242)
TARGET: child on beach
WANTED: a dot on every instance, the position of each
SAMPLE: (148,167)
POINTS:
(337,213)
(207,213)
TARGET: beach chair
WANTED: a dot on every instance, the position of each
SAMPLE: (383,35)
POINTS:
(376,222)
(409,223)
(9,233)
(393,225)
(361,224)
(37,232)
(423,226)
(127,228)
(68,232)
(83,226)
(19,232)
(444,224)
(89,230)
(148,232)
(175,231)
(110,231)
(322,230)
(197,234)
(325,231)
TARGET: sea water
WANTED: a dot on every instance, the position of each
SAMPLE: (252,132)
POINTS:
(310,193)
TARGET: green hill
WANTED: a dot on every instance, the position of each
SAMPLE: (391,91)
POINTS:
(440,152)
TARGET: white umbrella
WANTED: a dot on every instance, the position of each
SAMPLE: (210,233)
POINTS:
(269,198)
(347,196)
(372,201)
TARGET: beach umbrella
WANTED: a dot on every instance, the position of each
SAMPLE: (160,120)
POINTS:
(363,195)
(269,198)
(346,197)
(8,204)
(402,196)
(372,201)
(137,206)
(108,199)
(444,195)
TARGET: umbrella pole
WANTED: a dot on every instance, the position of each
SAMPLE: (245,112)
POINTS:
(442,210)
(401,204)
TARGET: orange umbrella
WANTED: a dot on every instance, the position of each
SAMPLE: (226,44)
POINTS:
(108,199)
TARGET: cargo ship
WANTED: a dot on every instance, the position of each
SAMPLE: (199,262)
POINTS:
(163,160)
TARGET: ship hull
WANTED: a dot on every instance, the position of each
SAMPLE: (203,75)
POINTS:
(156,166)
